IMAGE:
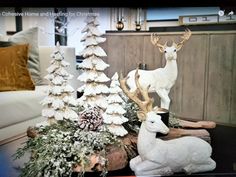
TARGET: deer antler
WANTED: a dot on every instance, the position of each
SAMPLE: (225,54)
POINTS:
(155,39)
(185,37)
(145,105)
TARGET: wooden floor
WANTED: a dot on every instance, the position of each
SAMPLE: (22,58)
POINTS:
(223,140)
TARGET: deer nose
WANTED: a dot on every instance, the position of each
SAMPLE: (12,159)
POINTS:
(170,56)
(167,130)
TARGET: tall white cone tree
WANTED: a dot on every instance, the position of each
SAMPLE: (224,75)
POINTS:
(58,103)
(93,66)
(113,115)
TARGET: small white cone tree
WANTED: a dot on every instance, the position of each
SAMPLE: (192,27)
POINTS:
(59,102)
(113,116)
(94,89)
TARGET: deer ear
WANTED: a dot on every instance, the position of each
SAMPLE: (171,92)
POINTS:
(141,115)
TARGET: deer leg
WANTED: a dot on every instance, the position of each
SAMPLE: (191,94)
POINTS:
(165,100)
(168,91)
(209,165)
(151,168)
(166,171)
(133,162)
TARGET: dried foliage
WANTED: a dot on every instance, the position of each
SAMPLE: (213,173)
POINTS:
(59,148)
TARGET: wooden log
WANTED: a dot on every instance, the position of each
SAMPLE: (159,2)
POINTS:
(131,140)
(116,156)
(199,124)
(130,144)
(94,163)
(179,132)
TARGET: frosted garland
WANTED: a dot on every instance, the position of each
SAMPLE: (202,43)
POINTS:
(57,105)
(94,88)
(113,117)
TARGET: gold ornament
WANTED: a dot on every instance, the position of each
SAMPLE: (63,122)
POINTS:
(119,25)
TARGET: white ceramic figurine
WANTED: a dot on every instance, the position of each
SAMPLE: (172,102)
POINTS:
(161,80)
(158,157)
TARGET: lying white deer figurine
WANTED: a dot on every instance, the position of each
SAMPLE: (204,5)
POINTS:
(158,157)
(161,79)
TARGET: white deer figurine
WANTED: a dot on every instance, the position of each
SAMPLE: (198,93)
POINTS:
(158,157)
(161,79)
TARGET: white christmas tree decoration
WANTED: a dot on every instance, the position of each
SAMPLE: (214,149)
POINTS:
(57,105)
(94,88)
(113,115)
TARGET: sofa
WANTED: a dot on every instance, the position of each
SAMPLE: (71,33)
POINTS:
(21,109)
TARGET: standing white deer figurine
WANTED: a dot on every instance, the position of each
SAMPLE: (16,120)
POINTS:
(158,157)
(161,80)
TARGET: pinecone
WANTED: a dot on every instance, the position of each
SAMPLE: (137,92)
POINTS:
(90,119)
(31,132)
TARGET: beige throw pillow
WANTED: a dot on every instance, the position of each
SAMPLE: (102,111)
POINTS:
(30,36)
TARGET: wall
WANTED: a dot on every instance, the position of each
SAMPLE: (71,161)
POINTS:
(6,23)
(46,24)
(129,18)
(205,88)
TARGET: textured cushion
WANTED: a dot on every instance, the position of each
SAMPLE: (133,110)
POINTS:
(30,37)
(14,74)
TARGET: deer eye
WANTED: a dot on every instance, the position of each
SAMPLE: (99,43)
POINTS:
(152,122)
(175,50)
(165,51)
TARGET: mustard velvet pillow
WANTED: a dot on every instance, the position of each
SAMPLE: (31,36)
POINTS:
(14,74)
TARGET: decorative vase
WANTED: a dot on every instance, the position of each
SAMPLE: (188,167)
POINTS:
(119,25)
(138,26)
(142,66)
(164,113)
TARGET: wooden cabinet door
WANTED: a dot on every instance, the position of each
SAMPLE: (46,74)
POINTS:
(187,94)
(206,85)
(220,94)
